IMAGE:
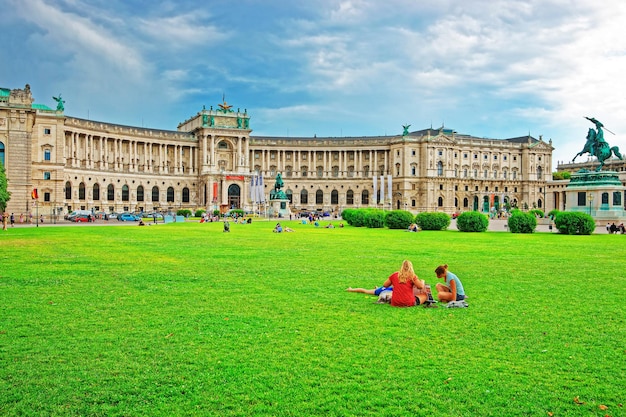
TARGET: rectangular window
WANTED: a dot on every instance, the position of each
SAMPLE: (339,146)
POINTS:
(46,175)
(582,198)
(413,152)
(46,197)
(46,131)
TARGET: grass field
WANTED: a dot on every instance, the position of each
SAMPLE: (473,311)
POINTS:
(183,319)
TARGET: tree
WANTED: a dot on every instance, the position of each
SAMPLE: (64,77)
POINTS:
(5,195)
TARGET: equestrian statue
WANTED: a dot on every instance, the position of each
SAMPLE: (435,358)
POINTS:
(597,146)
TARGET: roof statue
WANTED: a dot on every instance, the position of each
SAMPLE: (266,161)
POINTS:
(60,102)
(597,146)
(406,130)
(225,107)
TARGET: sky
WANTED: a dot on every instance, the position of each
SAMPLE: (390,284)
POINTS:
(331,68)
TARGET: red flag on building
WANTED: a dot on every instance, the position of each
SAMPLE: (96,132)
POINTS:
(34,194)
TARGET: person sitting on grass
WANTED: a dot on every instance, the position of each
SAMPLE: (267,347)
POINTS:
(278,228)
(408,289)
(453,289)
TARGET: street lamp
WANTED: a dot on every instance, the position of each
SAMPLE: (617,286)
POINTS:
(590,197)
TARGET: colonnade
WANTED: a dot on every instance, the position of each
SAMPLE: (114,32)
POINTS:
(83,150)
(358,160)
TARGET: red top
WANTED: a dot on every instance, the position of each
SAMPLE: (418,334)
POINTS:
(402,294)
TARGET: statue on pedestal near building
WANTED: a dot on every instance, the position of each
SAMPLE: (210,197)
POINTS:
(597,146)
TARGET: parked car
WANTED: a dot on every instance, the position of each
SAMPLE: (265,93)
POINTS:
(112,215)
(80,218)
(127,217)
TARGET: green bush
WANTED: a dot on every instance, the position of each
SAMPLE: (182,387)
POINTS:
(574,223)
(348,216)
(520,222)
(432,221)
(374,218)
(472,221)
(183,212)
(199,213)
(355,217)
(216,212)
(537,213)
(398,219)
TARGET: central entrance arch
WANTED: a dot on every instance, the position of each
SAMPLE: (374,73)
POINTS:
(234,196)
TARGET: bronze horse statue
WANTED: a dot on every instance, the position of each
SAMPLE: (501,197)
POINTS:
(597,147)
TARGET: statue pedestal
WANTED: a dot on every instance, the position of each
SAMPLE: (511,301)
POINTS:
(600,194)
(279,207)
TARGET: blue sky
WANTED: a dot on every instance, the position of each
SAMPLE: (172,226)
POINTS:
(495,69)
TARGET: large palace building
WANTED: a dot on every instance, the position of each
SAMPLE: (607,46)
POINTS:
(211,159)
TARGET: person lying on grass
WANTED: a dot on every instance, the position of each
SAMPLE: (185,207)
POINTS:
(453,289)
(375,291)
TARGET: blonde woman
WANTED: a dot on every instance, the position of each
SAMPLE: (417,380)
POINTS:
(408,289)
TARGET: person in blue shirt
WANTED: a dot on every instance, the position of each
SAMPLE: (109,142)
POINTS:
(453,289)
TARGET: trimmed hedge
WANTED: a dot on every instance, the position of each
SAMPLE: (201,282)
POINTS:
(537,213)
(574,223)
(432,221)
(199,213)
(375,219)
(472,221)
(521,222)
(183,212)
(398,219)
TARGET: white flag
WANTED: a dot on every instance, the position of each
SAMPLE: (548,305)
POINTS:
(261,190)
(389,186)
(382,189)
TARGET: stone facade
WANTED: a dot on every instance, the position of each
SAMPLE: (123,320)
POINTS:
(208,162)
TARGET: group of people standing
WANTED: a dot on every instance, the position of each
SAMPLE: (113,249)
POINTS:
(407,290)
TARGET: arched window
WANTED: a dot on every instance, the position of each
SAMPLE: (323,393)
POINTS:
(304,197)
(155,194)
(334,197)
(96,192)
(440,169)
(319,197)
(304,170)
(539,203)
(111,193)
(81,191)
(68,190)
(539,173)
(365,197)
(320,172)
(413,170)
(2,153)
(140,193)
(350,197)
(185,195)
(440,202)
(335,171)
(125,193)
(289,195)
(222,145)
(465,203)
(170,194)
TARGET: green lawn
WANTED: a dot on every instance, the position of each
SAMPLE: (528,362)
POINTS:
(183,319)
